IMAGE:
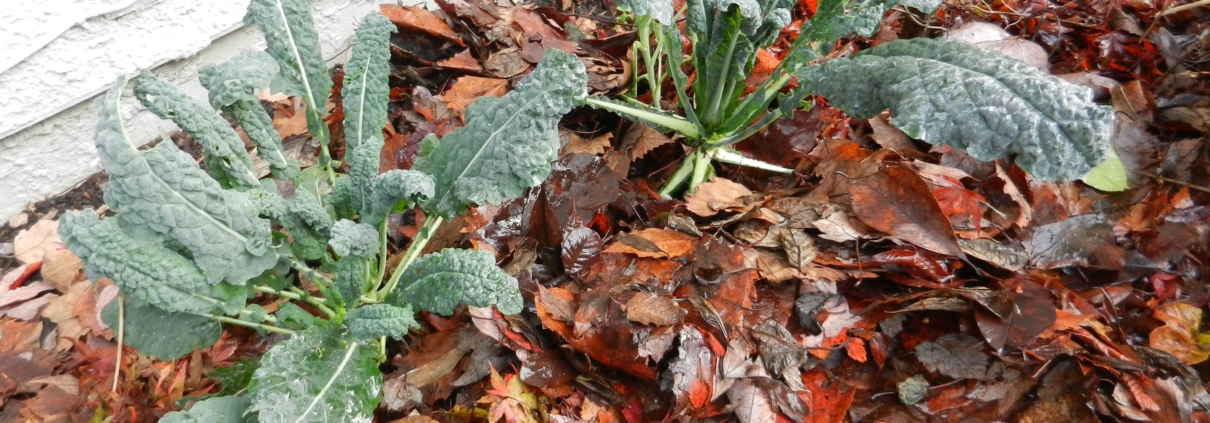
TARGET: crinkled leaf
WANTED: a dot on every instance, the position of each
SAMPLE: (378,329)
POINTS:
(350,238)
(377,320)
(163,190)
(659,10)
(398,185)
(948,92)
(144,270)
(229,409)
(225,156)
(508,142)
(290,315)
(307,243)
(237,79)
(307,206)
(292,41)
(440,281)
(350,280)
(160,334)
(321,374)
(233,86)
(837,18)
(365,92)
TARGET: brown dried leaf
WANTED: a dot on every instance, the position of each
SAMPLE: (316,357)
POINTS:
(32,244)
(61,268)
(652,242)
(419,19)
(647,308)
(596,145)
(799,247)
(469,88)
(718,195)
(640,139)
(462,61)
(560,302)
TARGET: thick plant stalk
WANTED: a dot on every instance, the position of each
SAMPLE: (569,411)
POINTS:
(423,235)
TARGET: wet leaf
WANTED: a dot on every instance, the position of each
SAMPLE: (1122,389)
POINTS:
(1032,313)
(692,372)
(419,19)
(807,307)
(559,302)
(897,202)
(1005,255)
(752,404)
(1067,242)
(581,250)
(955,355)
(652,242)
(640,139)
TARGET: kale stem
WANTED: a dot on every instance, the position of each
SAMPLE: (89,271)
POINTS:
(311,274)
(716,97)
(246,323)
(644,47)
(423,235)
(299,295)
(382,256)
(700,171)
(681,174)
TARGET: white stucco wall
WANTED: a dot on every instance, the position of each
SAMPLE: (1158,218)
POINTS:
(46,112)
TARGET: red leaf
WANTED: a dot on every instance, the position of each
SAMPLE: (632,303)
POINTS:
(897,202)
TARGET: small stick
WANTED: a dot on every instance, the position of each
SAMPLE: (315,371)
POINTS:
(117,365)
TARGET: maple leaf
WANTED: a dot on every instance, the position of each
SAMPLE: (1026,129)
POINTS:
(509,400)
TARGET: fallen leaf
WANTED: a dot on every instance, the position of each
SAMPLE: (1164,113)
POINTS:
(799,247)
(897,202)
(61,268)
(537,35)
(955,355)
(640,139)
(957,203)
(596,145)
(1032,313)
(1068,241)
(420,19)
(559,302)
(467,89)
(992,37)
(837,226)
(9,297)
(1180,334)
(647,308)
(581,250)
(692,371)
(1006,255)
(652,242)
(32,244)
(462,61)
(890,137)
(717,195)
(752,405)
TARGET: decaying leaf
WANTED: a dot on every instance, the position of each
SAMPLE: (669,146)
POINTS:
(955,355)
(652,242)
(799,247)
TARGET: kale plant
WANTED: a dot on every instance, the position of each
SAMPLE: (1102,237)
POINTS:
(188,248)
(941,91)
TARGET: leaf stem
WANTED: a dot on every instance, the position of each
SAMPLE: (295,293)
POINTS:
(681,174)
(246,323)
(299,295)
(677,124)
(311,274)
(423,235)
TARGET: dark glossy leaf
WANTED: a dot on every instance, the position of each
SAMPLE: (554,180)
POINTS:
(581,250)
(1068,241)
(1032,313)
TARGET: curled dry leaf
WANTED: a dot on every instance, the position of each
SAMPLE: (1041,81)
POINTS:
(61,268)
(799,247)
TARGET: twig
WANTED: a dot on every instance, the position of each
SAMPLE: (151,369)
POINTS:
(1182,8)
(1174,181)
(117,365)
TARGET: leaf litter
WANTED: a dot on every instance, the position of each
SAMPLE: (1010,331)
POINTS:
(955,286)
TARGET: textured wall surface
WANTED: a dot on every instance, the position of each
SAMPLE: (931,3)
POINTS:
(46,112)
